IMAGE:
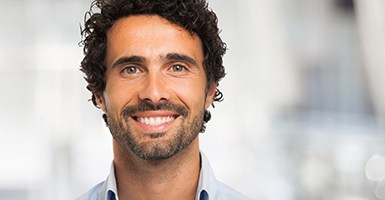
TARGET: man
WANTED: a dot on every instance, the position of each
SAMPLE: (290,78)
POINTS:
(153,68)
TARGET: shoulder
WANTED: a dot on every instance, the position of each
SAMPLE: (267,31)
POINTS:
(227,193)
(93,194)
(105,190)
(216,190)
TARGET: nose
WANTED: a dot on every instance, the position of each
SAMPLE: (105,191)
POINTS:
(154,89)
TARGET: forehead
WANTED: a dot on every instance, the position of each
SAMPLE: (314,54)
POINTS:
(150,35)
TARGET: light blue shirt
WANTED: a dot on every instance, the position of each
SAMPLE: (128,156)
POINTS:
(208,188)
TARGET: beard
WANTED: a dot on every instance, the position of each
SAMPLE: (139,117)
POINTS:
(178,138)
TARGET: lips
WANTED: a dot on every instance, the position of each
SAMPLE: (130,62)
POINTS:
(154,117)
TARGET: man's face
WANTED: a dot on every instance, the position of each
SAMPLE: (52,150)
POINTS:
(155,86)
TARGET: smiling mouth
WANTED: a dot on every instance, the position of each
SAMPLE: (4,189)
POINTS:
(155,121)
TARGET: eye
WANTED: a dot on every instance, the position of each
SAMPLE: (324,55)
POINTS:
(131,70)
(178,68)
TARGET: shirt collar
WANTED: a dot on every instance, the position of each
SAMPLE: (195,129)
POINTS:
(207,185)
(110,185)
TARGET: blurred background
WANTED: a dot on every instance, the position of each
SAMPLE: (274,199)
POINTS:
(303,116)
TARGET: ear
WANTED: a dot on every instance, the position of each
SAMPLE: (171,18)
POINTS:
(100,101)
(210,95)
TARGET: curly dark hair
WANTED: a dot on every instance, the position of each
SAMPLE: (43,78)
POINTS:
(192,15)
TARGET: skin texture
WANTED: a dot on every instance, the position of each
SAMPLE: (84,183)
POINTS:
(150,60)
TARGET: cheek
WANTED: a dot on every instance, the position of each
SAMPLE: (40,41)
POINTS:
(192,94)
(117,96)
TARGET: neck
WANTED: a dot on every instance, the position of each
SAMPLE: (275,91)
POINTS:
(173,178)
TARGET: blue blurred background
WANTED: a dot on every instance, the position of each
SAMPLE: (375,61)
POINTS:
(303,116)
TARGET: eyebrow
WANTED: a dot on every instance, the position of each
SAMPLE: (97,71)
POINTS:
(169,56)
(129,59)
(181,57)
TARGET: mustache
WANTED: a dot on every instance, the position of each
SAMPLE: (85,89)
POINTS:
(143,106)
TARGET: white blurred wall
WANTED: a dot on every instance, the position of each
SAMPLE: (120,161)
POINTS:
(302,116)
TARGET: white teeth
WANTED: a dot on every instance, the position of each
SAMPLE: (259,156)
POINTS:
(155,121)
(158,121)
(152,121)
